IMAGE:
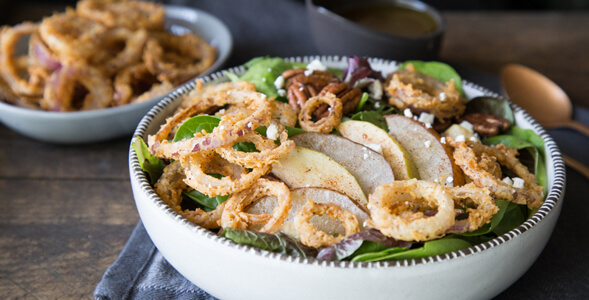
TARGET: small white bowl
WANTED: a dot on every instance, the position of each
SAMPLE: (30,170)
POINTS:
(104,124)
(231,271)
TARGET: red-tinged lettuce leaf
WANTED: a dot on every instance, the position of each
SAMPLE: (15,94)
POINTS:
(367,241)
(359,73)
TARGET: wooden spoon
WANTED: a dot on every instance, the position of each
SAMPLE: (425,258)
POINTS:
(544,100)
(540,97)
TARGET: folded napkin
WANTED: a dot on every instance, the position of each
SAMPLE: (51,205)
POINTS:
(141,272)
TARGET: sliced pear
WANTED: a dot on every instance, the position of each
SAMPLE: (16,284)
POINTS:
(369,167)
(318,195)
(369,134)
(304,167)
(433,160)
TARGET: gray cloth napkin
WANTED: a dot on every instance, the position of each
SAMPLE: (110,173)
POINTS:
(141,272)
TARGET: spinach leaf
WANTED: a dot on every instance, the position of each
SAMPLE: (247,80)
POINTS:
(153,166)
(515,215)
(495,220)
(436,69)
(278,243)
(492,106)
(528,135)
(435,247)
(196,124)
(374,117)
(207,203)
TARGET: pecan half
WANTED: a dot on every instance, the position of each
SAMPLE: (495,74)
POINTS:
(301,87)
(486,125)
(350,98)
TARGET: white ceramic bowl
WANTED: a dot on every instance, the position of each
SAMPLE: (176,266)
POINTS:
(230,271)
(103,124)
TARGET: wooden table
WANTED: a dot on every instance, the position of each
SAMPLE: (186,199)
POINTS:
(67,211)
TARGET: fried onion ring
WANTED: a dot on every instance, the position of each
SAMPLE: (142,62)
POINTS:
(391,208)
(284,113)
(10,68)
(419,92)
(170,186)
(268,154)
(137,84)
(485,205)
(129,14)
(313,237)
(130,54)
(72,36)
(231,126)
(465,156)
(198,166)
(235,217)
(177,58)
(327,123)
(61,89)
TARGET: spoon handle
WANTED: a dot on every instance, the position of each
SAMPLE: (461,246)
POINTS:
(578,166)
(571,124)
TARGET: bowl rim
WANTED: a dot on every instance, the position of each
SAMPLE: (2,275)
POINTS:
(174,11)
(553,197)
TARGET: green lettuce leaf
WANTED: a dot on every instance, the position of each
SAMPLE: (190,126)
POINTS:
(263,71)
(153,166)
(439,70)
(196,124)
(278,243)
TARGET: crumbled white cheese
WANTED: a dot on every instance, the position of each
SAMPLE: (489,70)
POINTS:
(249,125)
(279,82)
(407,112)
(426,118)
(375,147)
(507,180)
(442,96)
(272,131)
(228,92)
(467,125)
(221,111)
(473,139)
(301,89)
(308,72)
(460,138)
(428,125)
(282,92)
(428,144)
(375,90)
(443,140)
(450,179)
(377,104)
(316,65)
(518,183)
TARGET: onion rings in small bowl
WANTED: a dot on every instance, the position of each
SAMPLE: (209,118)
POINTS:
(211,261)
(75,127)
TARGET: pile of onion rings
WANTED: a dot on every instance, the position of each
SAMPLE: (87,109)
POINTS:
(101,54)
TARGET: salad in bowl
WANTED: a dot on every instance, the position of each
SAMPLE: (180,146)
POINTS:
(351,163)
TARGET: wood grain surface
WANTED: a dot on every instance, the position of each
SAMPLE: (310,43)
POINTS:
(67,211)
